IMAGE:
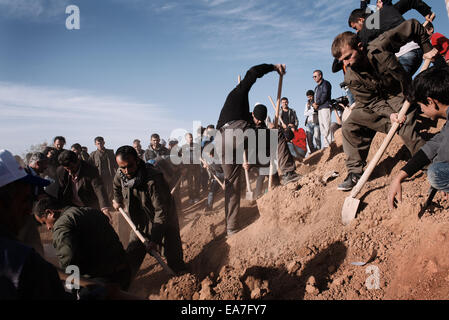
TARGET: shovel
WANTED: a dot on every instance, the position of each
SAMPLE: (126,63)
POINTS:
(152,252)
(426,204)
(216,178)
(351,204)
(249,193)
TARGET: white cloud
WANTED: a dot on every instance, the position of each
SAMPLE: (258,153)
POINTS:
(32,115)
(34,10)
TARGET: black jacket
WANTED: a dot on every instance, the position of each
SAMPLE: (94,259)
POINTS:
(91,191)
(236,106)
(390,16)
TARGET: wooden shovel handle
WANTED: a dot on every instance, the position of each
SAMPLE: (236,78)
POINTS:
(246,173)
(386,142)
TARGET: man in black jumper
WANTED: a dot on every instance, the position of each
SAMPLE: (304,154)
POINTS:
(235,115)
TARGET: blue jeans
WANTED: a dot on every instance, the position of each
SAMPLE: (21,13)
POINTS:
(313,136)
(295,151)
(438,176)
(411,61)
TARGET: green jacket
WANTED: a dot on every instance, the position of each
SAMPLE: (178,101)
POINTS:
(148,202)
(105,163)
(85,238)
(387,77)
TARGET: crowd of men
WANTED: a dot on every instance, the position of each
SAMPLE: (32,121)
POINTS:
(73,193)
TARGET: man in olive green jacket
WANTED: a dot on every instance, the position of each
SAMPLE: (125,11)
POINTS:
(84,237)
(142,191)
(104,160)
(379,84)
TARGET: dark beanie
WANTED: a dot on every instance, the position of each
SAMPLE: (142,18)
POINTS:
(260,112)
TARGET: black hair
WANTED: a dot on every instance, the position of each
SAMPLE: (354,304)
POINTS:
(59,138)
(43,204)
(284,98)
(310,93)
(211,126)
(319,71)
(76,146)
(431,83)
(356,15)
(429,26)
(136,141)
(98,139)
(155,136)
(67,157)
(125,152)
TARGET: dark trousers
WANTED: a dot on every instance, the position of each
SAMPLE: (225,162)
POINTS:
(361,126)
(193,177)
(171,247)
(232,172)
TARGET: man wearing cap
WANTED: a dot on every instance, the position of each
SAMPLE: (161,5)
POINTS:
(80,184)
(23,273)
(235,115)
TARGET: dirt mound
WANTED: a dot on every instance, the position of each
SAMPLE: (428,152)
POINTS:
(294,246)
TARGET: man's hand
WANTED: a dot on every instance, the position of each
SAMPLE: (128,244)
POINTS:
(245,166)
(284,126)
(315,105)
(394,118)
(428,17)
(395,189)
(281,69)
(431,54)
(107,213)
(153,246)
(116,205)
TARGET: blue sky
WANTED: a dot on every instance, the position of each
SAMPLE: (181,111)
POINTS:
(136,67)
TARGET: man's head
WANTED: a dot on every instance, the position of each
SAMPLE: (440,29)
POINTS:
(47,211)
(59,142)
(172,143)
(70,161)
(429,28)
(310,94)
(50,152)
(317,76)
(137,145)
(189,138)
(348,49)
(284,103)
(84,149)
(127,160)
(39,162)
(76,148)
(430,89)
(16,192)
(155,141)
(259,114)
(357,19)
(99,143)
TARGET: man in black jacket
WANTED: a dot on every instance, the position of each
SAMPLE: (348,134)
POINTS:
(370,26)
(235,115)
(80,184)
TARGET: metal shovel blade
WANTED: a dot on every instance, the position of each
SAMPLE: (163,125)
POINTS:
(349,210)
(250,196)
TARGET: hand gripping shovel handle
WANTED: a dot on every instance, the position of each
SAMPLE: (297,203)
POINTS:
(146,242)
(216,178)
